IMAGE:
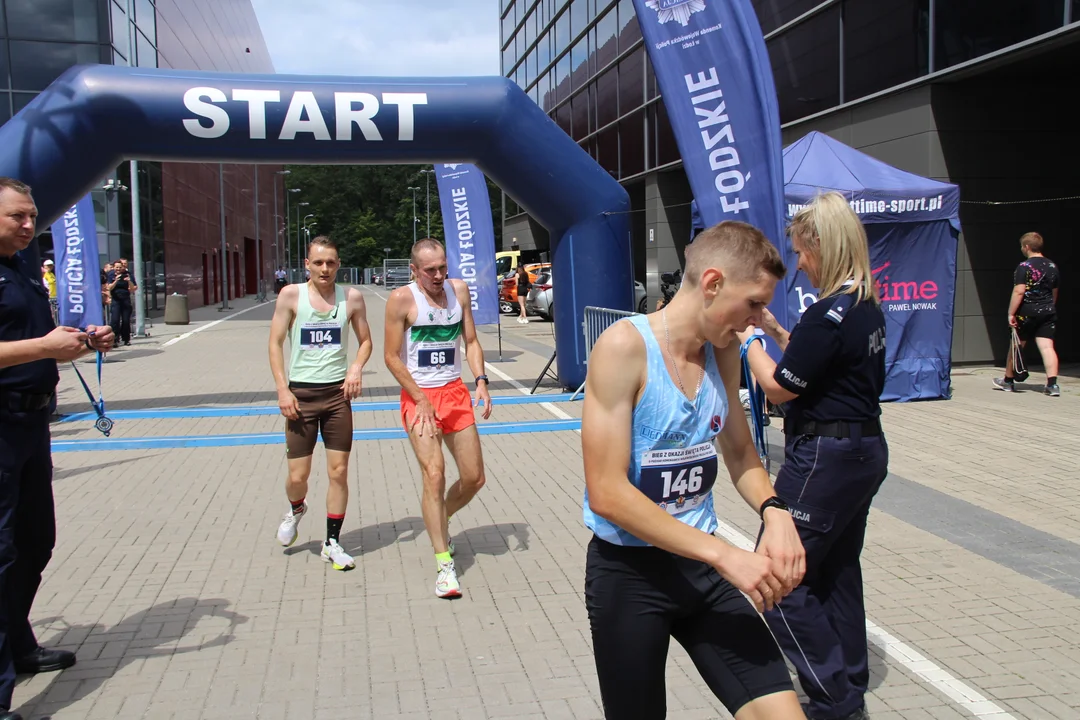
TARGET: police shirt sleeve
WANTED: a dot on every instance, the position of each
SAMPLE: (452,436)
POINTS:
(813,343)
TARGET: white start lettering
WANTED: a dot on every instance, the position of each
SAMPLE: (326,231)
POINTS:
(304,115)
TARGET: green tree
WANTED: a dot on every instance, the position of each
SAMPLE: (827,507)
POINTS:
(367,208)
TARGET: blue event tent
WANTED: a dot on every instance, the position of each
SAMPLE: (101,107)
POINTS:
(912,224)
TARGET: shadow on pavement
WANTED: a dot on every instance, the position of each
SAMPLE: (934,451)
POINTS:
(155,632)
(468,542)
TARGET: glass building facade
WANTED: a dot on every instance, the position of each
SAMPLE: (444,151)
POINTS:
(585,64)
(181,235)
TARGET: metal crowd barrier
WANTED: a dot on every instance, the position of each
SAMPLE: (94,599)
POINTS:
(597,320)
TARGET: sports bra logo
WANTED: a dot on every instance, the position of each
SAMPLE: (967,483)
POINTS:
(662,435)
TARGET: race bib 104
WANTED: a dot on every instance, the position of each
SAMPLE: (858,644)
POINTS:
(320,336)
(679,479)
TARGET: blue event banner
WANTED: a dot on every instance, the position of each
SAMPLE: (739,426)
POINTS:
(716,80)
(470,236)
(78,270)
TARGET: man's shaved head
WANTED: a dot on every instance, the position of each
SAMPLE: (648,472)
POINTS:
(424,244)
(740,250)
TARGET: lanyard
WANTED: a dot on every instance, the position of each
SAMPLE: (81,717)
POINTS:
(758,416)
(103,424)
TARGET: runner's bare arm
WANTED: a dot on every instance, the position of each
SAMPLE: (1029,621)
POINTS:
(474,352)
(615,375)
(358,317)
(781,540)
(284,314)
(397,312)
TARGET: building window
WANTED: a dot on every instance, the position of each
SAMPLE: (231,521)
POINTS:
(564,119)
(530,29)
(582,112)
(886,43)
(607,44)
(967,29)
(580,68)
(579,16)
(632,81)
(508,59)
(562,78)
(629,30)
(36,64)
(508,24)
(5,107)
(607,97)
(632,144)
(68,20)
(667,151)
(3,72)
(147,55)
(119,24)
(146,18)
(607,151)
(543,92)
(806,66)
(562,32)
(774,13)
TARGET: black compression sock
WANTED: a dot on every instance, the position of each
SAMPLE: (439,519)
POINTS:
(1051,380)
(333,527)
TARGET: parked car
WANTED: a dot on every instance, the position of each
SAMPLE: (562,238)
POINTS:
(540,297)
(508,297)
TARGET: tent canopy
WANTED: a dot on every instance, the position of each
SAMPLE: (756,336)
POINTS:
(878,192)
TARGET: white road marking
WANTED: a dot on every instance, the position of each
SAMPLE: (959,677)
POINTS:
(178,338)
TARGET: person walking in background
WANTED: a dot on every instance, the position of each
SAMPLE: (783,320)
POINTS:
(523,286)
(1033,311)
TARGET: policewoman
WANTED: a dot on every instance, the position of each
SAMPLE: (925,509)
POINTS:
(30,346)
(835,456)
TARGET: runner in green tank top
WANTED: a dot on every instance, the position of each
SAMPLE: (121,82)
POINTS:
(316,395)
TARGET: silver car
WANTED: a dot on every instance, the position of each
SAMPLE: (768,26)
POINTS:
(539,299)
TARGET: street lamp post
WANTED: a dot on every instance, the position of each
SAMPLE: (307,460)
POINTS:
(307,235)
(414,191)
(288,219)
(259,294)
(427,182)
(300,255)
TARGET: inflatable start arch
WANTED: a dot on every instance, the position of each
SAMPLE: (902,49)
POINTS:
(92,118)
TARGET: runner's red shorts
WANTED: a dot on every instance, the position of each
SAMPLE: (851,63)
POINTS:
(452,403)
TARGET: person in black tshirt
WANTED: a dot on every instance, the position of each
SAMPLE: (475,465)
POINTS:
(1033,311)
(120,288)
(830,377)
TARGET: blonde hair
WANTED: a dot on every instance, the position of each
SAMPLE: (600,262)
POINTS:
(831,229)
(741,250)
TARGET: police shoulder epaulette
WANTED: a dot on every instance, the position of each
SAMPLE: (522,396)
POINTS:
(838,310)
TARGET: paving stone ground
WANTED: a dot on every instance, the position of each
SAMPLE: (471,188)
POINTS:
(168,582)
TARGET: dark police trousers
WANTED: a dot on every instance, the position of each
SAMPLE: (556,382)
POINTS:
(829,484)
(27,532)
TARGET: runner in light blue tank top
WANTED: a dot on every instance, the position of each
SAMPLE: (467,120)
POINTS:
(672,456)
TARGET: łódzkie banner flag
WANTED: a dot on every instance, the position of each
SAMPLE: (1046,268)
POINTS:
(78,271)
(714,74)
(470,236)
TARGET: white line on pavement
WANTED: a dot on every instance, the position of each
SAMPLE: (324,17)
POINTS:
(178,338)
(965,696)
(908,657)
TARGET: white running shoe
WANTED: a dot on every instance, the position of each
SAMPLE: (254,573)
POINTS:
(286,532)
(446,585)
(337,557)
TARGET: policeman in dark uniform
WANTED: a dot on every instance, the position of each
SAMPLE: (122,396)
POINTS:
(30,346)
(830,376)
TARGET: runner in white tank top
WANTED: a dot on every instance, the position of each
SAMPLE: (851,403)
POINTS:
(432,349)
(426,322)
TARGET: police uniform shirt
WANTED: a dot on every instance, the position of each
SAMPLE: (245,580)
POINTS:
(25,314)
(835,361)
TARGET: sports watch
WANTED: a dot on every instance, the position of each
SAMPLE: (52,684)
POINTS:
(773,502)
(481,377)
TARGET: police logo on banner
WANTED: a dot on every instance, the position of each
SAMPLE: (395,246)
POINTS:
(451,166)
(677,10)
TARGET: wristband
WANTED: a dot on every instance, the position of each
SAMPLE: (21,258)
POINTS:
(773,502)
(482,377)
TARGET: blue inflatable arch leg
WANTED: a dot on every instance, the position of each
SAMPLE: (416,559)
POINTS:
(92,118)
